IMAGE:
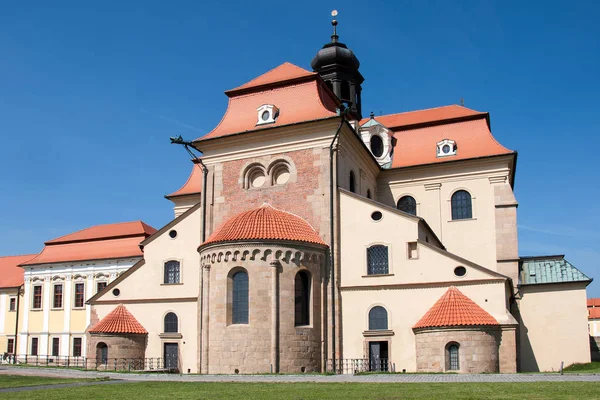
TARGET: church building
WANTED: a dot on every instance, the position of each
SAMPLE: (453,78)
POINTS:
(309,237)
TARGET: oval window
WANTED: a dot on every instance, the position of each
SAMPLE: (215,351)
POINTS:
(460,271)
(172,233)
(281,176)
(376,215)
(257,179)
(116,292)
(376,145)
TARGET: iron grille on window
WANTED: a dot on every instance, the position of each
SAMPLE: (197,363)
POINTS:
(58,296)
(408,204)
(302,300)
(453,354)
(79,294)
(171,323)
(378,319)
(377,260)
(461,205)
(77,347)
(172,271)
(239,306)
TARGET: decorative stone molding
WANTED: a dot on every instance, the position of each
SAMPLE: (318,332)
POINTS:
(432,186)
(498,179)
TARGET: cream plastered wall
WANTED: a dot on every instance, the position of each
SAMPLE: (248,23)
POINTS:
(405,307)
(352,156)
(67,321)
(7,317)
(394,230)
(145,295)
(432,187)
(553,326)
(151,316)
(594,327)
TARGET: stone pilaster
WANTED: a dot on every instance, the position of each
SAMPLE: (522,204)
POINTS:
(205,317)
(275,315)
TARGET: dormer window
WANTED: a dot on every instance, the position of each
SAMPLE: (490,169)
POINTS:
(267,114)
(446,147)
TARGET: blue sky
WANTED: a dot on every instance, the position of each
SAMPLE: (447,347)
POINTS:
(90,92)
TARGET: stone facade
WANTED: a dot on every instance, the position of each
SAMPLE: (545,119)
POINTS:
(477,349)
(119,346)
(270,341)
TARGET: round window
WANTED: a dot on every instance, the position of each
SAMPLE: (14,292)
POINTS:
(172,233)
(446,149)
(460,271)
(265,115)
(116,292)
(281,176)
(257,179)
(376,215)
(376,145)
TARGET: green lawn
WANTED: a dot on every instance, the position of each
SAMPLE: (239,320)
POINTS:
(589,368)
(9,381)
(322,391)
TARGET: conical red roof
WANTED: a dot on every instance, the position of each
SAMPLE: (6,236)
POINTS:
(119,320)
(455,309)
(266,223)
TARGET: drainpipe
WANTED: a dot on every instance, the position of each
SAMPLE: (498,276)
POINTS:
(17,326)
(332,238)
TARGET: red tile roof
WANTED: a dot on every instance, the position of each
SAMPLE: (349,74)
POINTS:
(96,243)
(11,275)
(593,302)
(121,229)
(594,313)
(425,116)
(455,309)
(297,102)
(119,320)
(193,185)
(282,73)
(265,223)
(418,146)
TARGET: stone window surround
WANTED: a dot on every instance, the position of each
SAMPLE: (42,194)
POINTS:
(73,346)
(33,307)
(170,311)
(10,303)
(380,338)
(310,298)
(418,204)
(367,331)
(230,274)
(58,281)
(268,166)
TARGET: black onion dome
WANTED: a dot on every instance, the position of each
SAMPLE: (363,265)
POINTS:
(335,53)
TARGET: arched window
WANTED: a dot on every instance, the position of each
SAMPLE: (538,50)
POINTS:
(352,182)
(377,260)
(461,205)
(408,204)
(302,298)
(239,304)
(171,323)
(378,319)
(171,272)
(452,357)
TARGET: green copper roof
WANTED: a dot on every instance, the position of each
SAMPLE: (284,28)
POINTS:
(549,269)
(370,123)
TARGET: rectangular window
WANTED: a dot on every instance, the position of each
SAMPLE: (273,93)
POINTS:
(58,296)
(77,347)
(171,272)
(79,295)
(10,346)
(37,297)
(413,252)
(55,346)
(12,306)
(34,346)
(100,286)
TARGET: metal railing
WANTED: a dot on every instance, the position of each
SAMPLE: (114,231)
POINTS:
(156,364)
(358,365)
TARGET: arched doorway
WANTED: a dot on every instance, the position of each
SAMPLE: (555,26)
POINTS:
(101,353)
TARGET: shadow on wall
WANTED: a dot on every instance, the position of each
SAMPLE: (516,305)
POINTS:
(525,356)
(595,348)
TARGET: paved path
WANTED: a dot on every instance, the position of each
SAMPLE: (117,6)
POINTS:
(377,378)
(59,386)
